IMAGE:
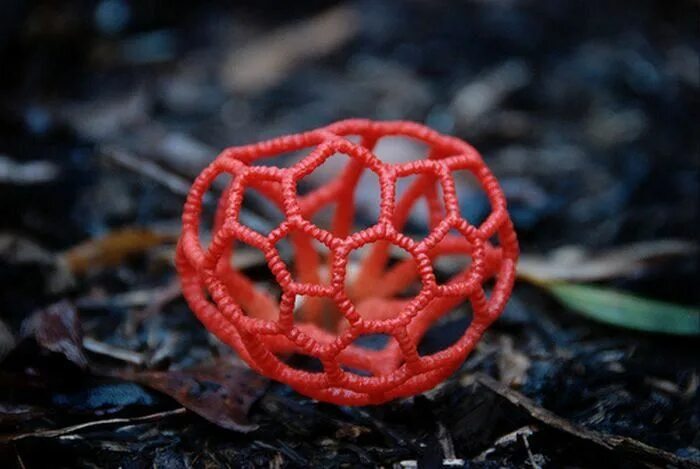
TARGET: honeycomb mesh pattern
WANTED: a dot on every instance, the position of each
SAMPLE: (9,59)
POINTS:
(266,331)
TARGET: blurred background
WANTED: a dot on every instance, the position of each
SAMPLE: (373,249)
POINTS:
(586,111)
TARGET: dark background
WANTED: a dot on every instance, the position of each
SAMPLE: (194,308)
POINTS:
(586,111)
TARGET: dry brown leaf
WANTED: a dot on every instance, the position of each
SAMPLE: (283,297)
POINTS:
(221,392)
(573,263)
(57,328)
(268,60)
(112,249)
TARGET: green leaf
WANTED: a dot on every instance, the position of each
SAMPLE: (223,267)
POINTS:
(625,310)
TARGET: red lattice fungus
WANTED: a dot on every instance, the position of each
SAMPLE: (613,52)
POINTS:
(326,310)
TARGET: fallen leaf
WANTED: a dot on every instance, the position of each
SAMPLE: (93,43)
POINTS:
(626,310)
(573,263)
(221,392)
(265,62)
(57,329)
(112,249)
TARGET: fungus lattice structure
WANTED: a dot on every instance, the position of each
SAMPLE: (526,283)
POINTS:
(397,300)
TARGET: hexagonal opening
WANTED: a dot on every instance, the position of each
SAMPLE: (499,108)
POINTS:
(306,258)
(378,347)
(250,282)
(258,212)
(380,272)
(474,205)
(446,330)
(319,310)
(363,187)
(303,362)
(399,149)
(420,204)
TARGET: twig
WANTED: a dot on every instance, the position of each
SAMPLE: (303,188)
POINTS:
(445,440)
(82,426)
(530,456)
(284,449)
(20,462)
(102,348)
(506,440)
(129,299)
(175,183)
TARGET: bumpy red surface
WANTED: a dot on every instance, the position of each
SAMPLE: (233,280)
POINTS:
(339,307)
